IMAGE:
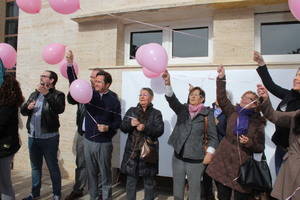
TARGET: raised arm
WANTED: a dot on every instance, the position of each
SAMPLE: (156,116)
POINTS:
(222,98)
(174,103)
(282,119)
(266,78)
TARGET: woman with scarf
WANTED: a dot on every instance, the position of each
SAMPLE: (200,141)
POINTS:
(143,124)
(244,136)
(188,139)
(11,99)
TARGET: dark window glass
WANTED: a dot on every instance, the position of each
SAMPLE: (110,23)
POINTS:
(12,9)
(280,38)
(13,41)
(193,45)
(137,39)
(11,26)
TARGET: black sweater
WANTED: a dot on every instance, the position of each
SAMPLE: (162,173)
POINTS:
(289,99)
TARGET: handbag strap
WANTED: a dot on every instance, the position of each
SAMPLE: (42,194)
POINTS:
(205,134)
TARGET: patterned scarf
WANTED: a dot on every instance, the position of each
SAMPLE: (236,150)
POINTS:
(242,122)
(194,110)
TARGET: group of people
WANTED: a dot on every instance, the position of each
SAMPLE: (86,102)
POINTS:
(210,145)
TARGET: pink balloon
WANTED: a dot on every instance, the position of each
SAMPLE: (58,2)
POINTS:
(30,6)
(150,74)
(8,55)
(153,57)
(65,6)
(139,55)
(53,53)
(81,91)
(63,68)
(294,6)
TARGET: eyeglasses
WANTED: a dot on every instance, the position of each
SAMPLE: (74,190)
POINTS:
(44,76)
(144,95)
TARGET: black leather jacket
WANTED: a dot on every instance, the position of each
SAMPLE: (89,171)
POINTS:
(53,105)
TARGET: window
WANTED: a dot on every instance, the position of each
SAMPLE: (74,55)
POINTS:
(11,23)
(12,9)
(184,46)
(138,39)
(185,42)
(277,37)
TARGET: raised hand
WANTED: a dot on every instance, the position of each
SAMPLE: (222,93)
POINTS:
(69,57)
(262,91)
(166,77)
(221,71)
(257,57)
(43,88)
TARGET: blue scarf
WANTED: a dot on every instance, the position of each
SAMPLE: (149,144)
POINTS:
(242,122)
(2,72)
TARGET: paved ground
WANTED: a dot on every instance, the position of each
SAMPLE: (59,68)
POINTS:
(22,185)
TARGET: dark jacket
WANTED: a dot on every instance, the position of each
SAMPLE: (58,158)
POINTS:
(105,109)
(80,114)
(231,154)
(9,135)
(187,136)
(154,128)
(289,99)
(53,105)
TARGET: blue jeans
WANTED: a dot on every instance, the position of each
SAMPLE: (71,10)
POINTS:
(279,153)
(47,148)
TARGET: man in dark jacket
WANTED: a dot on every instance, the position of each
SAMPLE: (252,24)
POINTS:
(80,171)
(42,108)
(102,120)
(290,101)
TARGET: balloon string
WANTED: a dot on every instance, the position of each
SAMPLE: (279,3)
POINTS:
(100,108)
(157,26)
(290,197)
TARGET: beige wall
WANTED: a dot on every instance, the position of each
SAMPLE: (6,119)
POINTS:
(99,42)
(2,20)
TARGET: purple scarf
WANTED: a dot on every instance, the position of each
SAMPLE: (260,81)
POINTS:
(242,122)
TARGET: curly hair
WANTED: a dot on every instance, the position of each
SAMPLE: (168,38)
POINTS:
(10,92)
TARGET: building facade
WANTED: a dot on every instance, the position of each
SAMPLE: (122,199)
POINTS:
(106,34)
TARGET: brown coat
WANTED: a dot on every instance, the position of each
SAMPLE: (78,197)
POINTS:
(226,163)
(288,179)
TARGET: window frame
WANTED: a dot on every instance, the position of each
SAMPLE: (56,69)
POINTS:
(167,40)
(274,18)
(11,18)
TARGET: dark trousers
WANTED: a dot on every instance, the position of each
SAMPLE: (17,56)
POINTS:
(224,193)
(207,188)
(279,153)
(149,187)
(39,149)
